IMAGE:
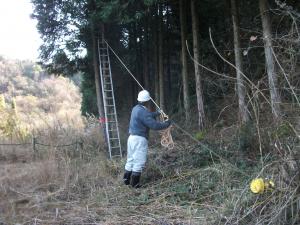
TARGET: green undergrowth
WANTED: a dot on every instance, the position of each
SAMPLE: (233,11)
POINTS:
(203,183)
(194,180)
(208,183)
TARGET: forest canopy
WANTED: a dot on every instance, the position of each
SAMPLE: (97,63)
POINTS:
(192,53)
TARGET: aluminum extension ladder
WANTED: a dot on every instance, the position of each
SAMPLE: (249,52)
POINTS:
(111,120)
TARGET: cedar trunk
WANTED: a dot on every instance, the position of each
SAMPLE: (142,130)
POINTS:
(270,64)
(161,60)
(195,26)
(186,101)
(241,90)
(146,56)
(97,75)
(97,80)
(156,69)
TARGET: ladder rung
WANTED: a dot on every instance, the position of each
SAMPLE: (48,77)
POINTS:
(111,121)
(116,146)
(113,138)
(108,90)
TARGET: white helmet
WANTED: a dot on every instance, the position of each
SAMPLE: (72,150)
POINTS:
(143,96)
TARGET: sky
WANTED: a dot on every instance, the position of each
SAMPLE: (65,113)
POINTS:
(19,38)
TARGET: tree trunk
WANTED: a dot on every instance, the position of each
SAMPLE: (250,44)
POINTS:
(97,75)
(98,81)
(270,64)
(133,49)
(168,47)
(186,101)
(241,90)
(139,54)
(161,60)
(156,67)
(146,55)
(195,26)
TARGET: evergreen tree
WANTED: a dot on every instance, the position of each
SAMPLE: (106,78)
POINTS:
(241,89)
(184,71)
(270,62)
(196,48)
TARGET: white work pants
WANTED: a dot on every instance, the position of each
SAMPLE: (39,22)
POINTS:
(137,148)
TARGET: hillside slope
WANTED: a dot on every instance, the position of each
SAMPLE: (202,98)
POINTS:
(42,100)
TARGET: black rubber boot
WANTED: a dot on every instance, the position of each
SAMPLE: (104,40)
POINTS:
(135,179)
(126,177)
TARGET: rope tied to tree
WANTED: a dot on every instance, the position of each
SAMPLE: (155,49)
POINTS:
(166,137)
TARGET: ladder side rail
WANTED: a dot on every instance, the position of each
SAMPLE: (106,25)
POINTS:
(114,103)
(104,101)
(109,84)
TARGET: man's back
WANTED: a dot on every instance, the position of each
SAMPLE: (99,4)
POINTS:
(142,120)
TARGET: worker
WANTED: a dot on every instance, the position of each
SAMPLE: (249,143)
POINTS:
(141,121)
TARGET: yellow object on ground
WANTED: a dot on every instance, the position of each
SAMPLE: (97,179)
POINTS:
(259,185)
(271,183)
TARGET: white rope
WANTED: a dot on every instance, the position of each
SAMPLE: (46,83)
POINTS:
(166,137)
(133,76)
(168,143)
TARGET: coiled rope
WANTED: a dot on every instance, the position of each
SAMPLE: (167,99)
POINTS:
(166,136)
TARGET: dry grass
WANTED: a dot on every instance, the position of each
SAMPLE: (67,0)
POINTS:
(191,184)
(179,188)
